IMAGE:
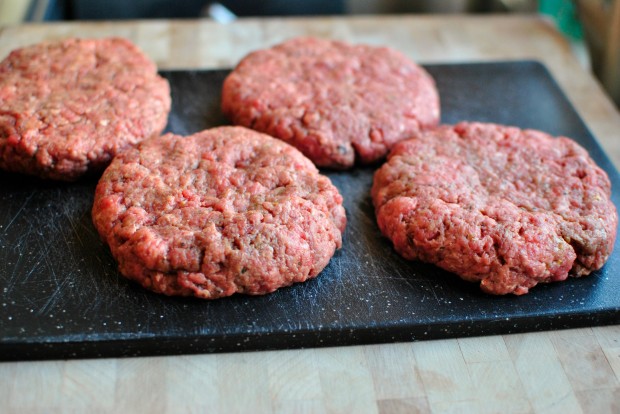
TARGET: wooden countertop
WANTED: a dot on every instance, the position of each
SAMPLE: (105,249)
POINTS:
(566,371)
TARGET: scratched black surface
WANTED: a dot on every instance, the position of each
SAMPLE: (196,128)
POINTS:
(62,297)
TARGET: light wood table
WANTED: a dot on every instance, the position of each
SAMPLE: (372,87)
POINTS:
(566,371)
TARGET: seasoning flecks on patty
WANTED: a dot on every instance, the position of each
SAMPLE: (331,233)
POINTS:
(67,107)
(333,101)
(227,210)
(505,207)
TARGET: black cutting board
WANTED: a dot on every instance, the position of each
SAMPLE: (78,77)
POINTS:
(62,297)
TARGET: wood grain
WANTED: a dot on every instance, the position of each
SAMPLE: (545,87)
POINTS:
(568,371)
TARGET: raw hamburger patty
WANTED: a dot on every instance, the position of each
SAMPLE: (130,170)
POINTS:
(509,208)
(68,107)
(225,210)
(332,100)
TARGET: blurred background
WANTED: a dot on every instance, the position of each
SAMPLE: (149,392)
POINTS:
(591,26)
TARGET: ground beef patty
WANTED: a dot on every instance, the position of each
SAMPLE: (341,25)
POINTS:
(68,107)
(509,208)
(332,100)
(223,211)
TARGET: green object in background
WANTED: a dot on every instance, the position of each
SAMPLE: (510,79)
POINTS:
(564,14)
